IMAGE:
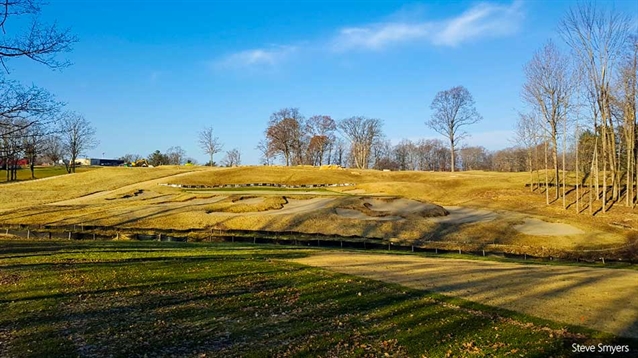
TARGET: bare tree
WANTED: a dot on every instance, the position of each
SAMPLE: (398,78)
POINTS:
(266,152)
(526,136)
(475,158)
(22,108)
(548,90)
(362,133)
(77,136)
(453,109)
(40,43)
(339,153)
(209,143)
(176,155)
(233,158)
(597,38)
(285,135)
(321,130)
(52,149)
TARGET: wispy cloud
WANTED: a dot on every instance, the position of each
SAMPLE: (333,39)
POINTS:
(481,20)
(268,56)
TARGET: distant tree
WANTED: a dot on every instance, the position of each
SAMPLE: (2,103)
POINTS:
(265,151)
(176,155)
(209,143)
(233,158)
(404,153)
(453,109)
(157,158)
(77,136)
(32,145)
(527,137)
(52,149)
(362,133)
(475,158)
(321,131)
(130,158)
(339,152)
(284,135)
(509,160)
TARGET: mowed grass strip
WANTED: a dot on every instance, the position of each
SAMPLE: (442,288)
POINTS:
(127,299)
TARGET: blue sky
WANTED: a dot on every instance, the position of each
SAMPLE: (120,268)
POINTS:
(150,74)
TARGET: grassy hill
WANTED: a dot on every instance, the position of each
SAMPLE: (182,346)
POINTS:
(131,197)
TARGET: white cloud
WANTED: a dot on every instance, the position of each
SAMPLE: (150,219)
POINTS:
(257,57)
(482,20)
(378,36)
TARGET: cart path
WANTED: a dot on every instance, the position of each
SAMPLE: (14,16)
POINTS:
(598,298)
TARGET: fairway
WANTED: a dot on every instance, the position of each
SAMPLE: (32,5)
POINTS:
(121,299)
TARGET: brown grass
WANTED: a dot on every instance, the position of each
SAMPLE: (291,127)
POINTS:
(233,205)
(165,207)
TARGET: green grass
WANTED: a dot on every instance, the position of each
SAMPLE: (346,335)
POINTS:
(42,172)
(122,299)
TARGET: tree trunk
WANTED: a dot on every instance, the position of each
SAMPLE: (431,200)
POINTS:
(452,154)
(564,150)
(577,179)
(546,177)
(555,158)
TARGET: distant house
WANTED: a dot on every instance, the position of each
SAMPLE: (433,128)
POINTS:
(14,163)
(100,162)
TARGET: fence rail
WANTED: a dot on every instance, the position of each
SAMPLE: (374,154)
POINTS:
(624,254)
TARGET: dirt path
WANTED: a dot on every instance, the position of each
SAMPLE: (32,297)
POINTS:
(602,299)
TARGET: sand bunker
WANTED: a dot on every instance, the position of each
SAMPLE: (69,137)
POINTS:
(402,207)
(250,201)
(356,214)
(460,215)
(539,227)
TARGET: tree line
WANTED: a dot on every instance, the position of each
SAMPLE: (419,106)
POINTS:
(359,141)
(583,101)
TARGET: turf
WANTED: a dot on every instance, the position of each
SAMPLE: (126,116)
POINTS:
(43,172)
(124,299)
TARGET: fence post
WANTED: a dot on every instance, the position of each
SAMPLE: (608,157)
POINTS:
(69,235)
(93,236)
(388,246)
(28,234)
(7,232)
(483,252)
(412,248)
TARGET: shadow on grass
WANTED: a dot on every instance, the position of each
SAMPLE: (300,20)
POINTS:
(248,304)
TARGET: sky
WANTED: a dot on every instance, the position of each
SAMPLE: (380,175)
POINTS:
(150,75)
